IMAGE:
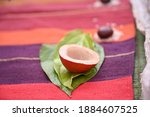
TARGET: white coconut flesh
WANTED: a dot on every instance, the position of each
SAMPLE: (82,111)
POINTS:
(79,54)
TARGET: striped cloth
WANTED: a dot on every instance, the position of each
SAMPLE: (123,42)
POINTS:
(26,24)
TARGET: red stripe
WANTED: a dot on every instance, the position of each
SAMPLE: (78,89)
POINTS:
(113,89)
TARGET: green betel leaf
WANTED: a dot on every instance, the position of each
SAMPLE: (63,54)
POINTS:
(55,70)
(46,58)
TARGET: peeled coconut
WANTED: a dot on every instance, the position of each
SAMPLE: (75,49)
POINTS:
(77,58)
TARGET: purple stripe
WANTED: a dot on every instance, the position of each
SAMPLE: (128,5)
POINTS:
(33,50)
(61,21)
(115,68)
(118,48)
(19,72)
(16,72)
(19,51)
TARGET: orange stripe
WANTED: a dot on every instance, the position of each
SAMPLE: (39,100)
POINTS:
(128,31)
(23,2)
(120,88)
(51,35)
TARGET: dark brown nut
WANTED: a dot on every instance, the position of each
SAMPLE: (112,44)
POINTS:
(105,32)
(105,1)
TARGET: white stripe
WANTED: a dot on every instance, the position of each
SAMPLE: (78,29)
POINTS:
(36,58)
(119,55)
(19,58)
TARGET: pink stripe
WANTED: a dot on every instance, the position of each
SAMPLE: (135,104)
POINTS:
(69,21)
(40,8)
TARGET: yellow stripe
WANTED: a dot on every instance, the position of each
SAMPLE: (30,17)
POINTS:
(35,2)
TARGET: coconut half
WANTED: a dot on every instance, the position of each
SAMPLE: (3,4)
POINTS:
(77,58)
